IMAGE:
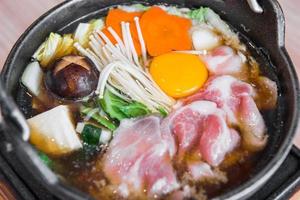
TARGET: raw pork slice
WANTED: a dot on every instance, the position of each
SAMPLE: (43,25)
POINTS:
(223,60)
(139,158)
(200,170)
(235,97)
(251,124)
(225,91)
(268,93)
(200,129)
(217,139)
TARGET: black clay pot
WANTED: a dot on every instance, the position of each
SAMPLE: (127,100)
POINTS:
(264,34)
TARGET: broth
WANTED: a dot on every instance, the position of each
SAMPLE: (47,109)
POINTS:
(84,172)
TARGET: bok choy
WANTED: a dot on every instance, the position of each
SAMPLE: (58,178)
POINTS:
(119,109)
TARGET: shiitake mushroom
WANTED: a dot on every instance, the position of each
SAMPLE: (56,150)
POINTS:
(72,77)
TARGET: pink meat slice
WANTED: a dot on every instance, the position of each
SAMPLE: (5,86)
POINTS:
(193,127)
(217,139)
(200,170)
(235,97)
(251,124)
(223,60)
(139,158)
(268,93)
(225,91)
(158,172)
(186,127)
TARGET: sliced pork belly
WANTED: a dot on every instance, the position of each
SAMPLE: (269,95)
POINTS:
(138,158)
(268,93)
(251,124)
(225,91)
(223,60)
(217,139)
(185,126)
(236,99)
(201,171)
(193,127)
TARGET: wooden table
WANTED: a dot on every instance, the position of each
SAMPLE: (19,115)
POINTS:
(16,16)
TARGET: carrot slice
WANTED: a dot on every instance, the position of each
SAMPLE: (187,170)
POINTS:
(114,19)
(164,32)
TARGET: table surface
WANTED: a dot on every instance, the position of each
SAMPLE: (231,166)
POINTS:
(15,17)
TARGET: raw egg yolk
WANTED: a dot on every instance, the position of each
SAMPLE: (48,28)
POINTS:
(178,74)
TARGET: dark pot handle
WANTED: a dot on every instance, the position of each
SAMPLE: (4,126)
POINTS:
(9,112)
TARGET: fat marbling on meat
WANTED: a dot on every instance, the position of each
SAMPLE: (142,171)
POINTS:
(236,98)
(200,129)
(139,158)
(223,60)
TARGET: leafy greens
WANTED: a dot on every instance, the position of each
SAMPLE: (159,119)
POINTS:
(119,109)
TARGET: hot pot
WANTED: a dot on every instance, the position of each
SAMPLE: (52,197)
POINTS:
(263,32)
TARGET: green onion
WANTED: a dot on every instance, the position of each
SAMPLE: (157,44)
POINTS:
(98,118)
(91,134)
(45,159)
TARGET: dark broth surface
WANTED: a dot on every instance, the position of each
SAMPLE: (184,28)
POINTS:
(83,170)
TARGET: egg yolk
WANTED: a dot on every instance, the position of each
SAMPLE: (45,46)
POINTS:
(178,74)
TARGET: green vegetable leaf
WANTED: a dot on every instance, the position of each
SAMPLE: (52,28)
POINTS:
(141,7)
(163,112)
(198,14)
(135,109)
(111,104)
(119,109)
(98,118)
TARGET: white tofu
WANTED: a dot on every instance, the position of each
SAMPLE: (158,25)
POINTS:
(32,78)
(53,131)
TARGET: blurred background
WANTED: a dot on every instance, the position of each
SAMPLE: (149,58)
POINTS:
(17,15)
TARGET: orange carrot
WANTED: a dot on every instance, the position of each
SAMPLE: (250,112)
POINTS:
(114,19)
(164,32)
